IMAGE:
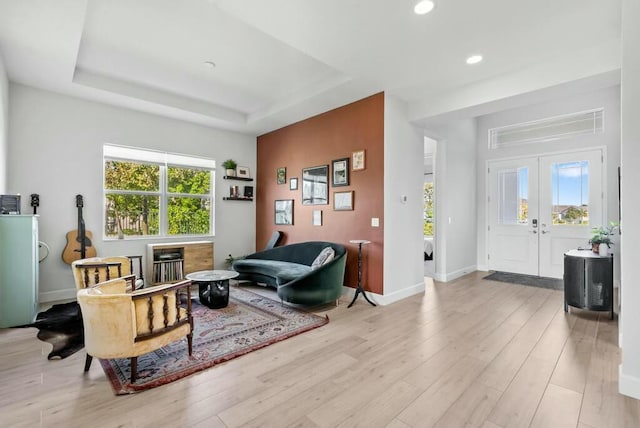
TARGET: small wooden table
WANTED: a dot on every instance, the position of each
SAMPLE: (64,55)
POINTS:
(213,286)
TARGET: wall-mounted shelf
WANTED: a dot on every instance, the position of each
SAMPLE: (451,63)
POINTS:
(227,177)
(229,198)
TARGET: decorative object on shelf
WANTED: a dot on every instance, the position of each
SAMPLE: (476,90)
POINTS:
(248,191)
(317,217)
(315,185)
(281,174)
(293,183)
(284,211)
(233,191)
(343,201)
(243,172)
(357,159)
(230,165)
(340,172)
(602,235)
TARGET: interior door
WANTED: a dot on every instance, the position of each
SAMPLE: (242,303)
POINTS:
(542,207)
(513,208)
(571,203)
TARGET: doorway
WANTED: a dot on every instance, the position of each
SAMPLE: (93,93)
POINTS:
(540,207)
(429,207)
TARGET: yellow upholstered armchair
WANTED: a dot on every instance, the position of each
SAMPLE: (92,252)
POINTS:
(118,324)
(91,271)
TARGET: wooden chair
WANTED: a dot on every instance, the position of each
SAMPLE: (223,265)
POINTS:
(118,324)
(91,271)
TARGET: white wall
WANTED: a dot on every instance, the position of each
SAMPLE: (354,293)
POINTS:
(4,126)
(56,151)
(608,98)
(403,176)
(455,167)
(629,380)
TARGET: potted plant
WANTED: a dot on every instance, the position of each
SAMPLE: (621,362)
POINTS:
(230,165)
(602,235)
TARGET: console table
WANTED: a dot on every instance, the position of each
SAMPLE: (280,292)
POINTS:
(588,281)
(359,288)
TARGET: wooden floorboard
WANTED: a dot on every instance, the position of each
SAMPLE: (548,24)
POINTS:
(467,353)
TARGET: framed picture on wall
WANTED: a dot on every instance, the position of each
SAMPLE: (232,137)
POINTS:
(283,212)
(357,160)
(243,172)
(343,201)
(315,185)
(281,174)
(317,218)
(293,183)
(340,172)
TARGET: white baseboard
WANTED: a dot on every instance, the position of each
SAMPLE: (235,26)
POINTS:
(449,276)
(483,268)
(628,385)
(386,299)
(58,295)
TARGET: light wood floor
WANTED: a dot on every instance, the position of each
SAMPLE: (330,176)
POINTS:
(471,353)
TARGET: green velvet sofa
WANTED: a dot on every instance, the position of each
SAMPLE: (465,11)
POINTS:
(288,269)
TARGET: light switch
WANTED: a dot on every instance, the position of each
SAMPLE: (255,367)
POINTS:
(375,222)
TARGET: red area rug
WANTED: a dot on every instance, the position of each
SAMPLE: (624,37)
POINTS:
(250,322)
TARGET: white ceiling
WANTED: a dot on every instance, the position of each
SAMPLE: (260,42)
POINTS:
(280,61)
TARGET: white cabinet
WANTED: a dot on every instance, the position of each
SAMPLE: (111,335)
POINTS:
(18,269)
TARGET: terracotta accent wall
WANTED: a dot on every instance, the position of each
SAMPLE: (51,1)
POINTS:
(317,141)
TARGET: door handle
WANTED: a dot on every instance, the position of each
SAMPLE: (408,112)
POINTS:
(534,231)
(545,231)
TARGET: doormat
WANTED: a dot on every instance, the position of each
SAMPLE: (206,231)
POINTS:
(61,326)
(531,280)
(250,322)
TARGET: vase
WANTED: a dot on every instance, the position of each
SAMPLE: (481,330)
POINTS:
(595,248)
(603,250)
(231,172)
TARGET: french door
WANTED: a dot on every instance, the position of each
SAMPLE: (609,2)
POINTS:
(540,207)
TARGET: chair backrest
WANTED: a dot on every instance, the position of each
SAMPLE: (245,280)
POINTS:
(274,240)
(91,271)
(116,320)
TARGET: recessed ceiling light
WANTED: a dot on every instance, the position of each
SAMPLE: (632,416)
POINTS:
(423,7)
(209,64)
(474,59)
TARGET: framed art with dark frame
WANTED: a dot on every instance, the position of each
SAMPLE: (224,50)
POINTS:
(283,211)
(315,185)
(281,174)
(343,201)
(340,172)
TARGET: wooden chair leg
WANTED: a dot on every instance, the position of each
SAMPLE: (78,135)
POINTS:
(190,343)
(87,362)
(134,369)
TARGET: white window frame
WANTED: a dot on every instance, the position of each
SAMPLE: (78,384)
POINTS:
(163,160)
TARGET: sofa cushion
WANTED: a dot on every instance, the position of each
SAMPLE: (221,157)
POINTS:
(272,268)
(325,256)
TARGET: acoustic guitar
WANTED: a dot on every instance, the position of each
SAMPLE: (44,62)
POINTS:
(79,245)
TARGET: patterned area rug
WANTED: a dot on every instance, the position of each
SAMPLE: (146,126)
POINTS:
(530,280)
(249,322)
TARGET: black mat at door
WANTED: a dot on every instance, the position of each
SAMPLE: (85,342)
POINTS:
(531,280)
